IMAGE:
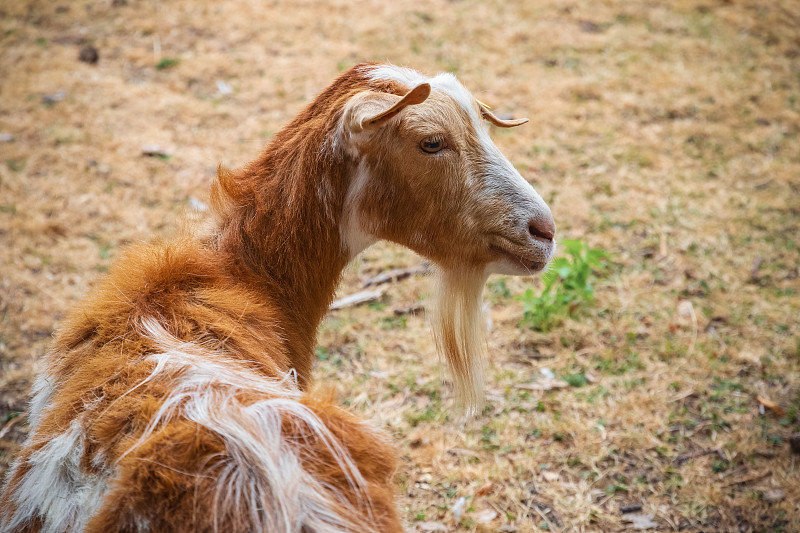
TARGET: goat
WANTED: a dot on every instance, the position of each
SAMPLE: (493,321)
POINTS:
(175,398)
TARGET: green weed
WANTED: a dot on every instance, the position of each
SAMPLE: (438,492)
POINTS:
(575,380)
(15,164)
(393,322)
(499,289)
(167,62)
(568,287)
(429,414)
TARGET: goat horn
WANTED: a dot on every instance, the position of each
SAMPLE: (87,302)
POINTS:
(500,123)
(417,95)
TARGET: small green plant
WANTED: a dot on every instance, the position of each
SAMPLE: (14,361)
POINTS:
(167,62)
(499,288)
(322,353)
(719,466)
(613,488)
(15,164)
(429,414)
(393,322)
(576,380)
(377,305)
(567,286)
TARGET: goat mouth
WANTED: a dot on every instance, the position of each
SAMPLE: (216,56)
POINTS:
(518,259)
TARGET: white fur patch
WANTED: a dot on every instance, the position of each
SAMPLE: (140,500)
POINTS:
(444,82)
(263,470)
(55,489)
(41,394)
(404,75)
(355,238)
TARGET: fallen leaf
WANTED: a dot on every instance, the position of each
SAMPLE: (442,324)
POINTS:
(224,88)
(485,516)
(458,508)
(774,496)
(551,476)
(432,526)
(769,404)
(484,489)
(640,521)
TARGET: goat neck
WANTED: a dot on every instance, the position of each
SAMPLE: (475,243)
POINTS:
(280,217)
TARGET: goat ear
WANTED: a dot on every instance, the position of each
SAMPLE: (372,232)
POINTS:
(500,123)
(365,120)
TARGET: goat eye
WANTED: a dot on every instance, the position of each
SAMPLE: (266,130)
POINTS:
(432,145)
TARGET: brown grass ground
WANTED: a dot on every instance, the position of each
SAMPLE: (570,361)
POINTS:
(664,133)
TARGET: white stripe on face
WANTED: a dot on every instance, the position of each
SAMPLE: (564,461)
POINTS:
(355,238)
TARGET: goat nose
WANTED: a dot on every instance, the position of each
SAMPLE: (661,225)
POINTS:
(542,227)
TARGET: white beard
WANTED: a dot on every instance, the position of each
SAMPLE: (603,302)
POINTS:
(458,327)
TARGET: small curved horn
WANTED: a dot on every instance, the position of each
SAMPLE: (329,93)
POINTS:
(417,95)
(500,123)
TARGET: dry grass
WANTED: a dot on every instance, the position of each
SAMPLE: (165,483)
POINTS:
(664,133)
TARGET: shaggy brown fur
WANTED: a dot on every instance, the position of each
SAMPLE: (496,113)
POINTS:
(163,389)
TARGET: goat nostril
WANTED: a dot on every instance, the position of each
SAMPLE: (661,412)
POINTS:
(542,228)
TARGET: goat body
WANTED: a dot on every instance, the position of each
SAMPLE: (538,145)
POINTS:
(175,397)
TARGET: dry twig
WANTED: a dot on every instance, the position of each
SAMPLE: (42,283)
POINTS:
(396,274)
(747,480)
(10,424)
(684,457)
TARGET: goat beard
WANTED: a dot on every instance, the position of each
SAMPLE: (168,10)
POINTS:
(460,333)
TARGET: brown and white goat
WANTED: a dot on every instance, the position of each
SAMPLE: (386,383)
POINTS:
(175,397)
